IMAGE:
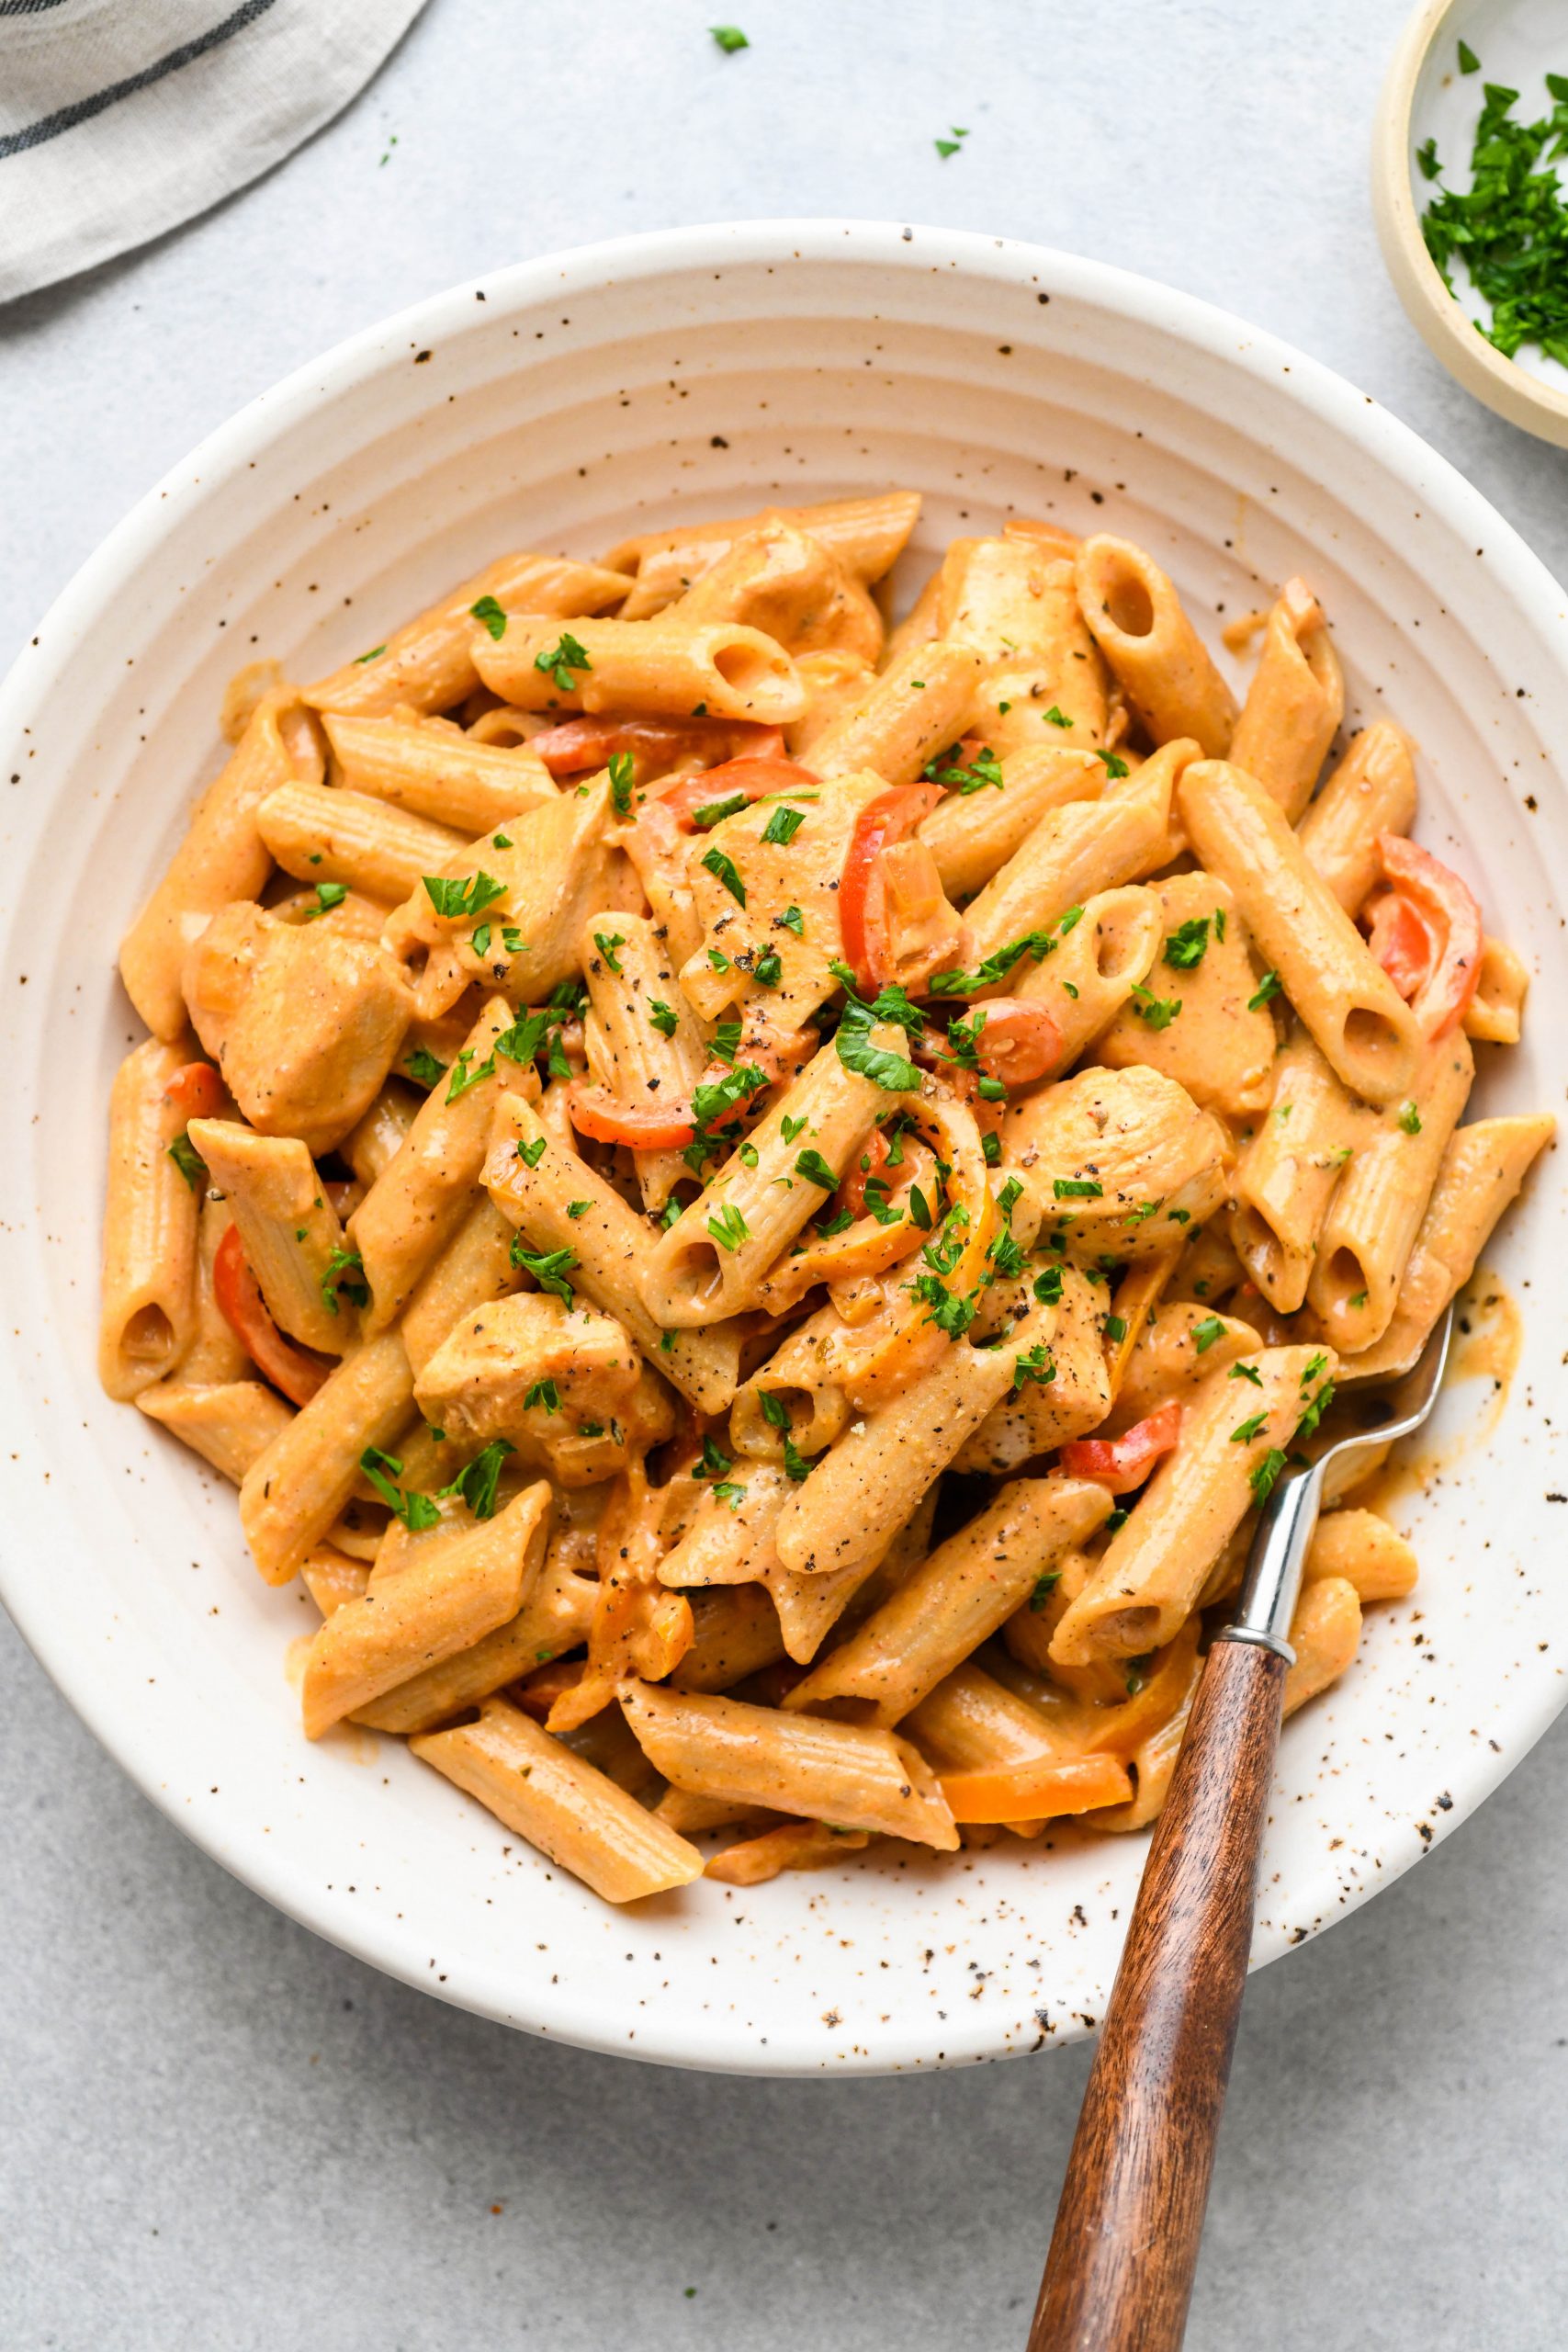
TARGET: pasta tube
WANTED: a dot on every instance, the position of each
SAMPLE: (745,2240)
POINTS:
(963,1594)
(295,1491)
(1480,1173)
(867,535)
(1233,1440)
(1371,1227)
(1371,792)
(1289,1170)
(1366,1031)
(557,1802)
(838,1772)
(323,834)
(454,1592)
(908,714)
(428,664)
(1294,704)
(434,770)
(867,1484)
(414,1207)
(606,1241)
(230,1426)
(292,1239)
(1152,647)
(971,836)
(712,1259)
(732,672)
(1199,1018)
(148,1314)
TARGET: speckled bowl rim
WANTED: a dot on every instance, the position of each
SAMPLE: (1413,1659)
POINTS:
(111,1710)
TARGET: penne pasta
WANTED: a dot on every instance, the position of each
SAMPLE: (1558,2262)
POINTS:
(986,1101)
(1366,1032)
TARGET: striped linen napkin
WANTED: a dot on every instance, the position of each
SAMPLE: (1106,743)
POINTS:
(119,118)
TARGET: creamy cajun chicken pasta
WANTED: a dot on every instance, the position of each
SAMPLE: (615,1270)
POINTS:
(753,1202)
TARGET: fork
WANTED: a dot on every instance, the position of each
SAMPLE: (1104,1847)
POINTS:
(1118,2274)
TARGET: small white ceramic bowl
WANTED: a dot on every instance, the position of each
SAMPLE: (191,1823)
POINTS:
(1427,95)
(563,404)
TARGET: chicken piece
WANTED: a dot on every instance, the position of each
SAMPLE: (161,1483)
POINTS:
(303,1019)
(1119,1160)
(564,1385)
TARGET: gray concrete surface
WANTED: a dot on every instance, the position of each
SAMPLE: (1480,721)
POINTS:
(221,2133)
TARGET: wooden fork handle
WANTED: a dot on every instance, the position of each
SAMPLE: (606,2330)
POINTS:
(1119,2275)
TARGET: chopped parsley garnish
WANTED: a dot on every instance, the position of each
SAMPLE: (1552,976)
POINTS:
(339,1267)
(796,1467)
(1204,1334)
(188,1160)
(723,870)
(622,768)
(1115,769)
(1410,1120)
(1266,1473)
(1314,1412)
(981,770)
(477,1483)
(1116,1329)
(1158,1012)
(575,1209)
(714,813)
(728,1228)
(383,1470)
(1077,1188)
(466,894)
(1245,1431)
(789,1129)
(730,38)
(328,895)
(769,970)
(1188,944)
(888,1070)
(1055,717)
(463,1077)
(714,1113)
(530,1154)
(608,942)
(1043,1588)
(715,1463)
(549,1268)
(1048,1286)
(919,1209)
(950,1316)
(815,1170)
(545,1393)
(374,655)
(1035,1364)
(1245,1371)
(561,660)
(1269,987)
(1511,229)
(775,1412)
(792,919)
(726,1491)
(783,826)
(663,1017)
(489,612)
(726,1041)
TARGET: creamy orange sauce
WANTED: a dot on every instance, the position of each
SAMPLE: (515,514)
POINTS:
(1487,1349)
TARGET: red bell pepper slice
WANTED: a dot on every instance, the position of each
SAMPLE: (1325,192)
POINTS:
(643,1126)
(1399,942)
(295,1369)
(756,775)
(579,744)
(195,1091)
(890,818)
(1448,908)
(1123,1463)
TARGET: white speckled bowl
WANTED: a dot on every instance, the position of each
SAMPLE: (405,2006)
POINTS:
(564,403)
